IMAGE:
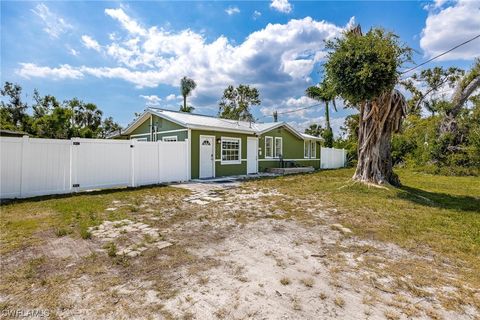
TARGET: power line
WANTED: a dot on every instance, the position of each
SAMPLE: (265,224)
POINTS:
(406,71)
(291,111)
(441,54)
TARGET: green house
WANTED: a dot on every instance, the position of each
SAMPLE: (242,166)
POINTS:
(222,147)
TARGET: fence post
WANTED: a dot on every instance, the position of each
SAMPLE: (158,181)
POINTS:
(23,182)
(132,162)
(73,164)
(187,157)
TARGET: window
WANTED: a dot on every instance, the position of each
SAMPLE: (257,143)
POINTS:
(306,149)
(268,147)
(141,139)
(231,151)
(309,149)
(278,147)
(170,139)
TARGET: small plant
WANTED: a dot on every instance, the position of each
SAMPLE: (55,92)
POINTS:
(296,304)
(85,234)
(308,282)
(339,302)
(111,249)
(390,315)
(285,281)
(322,296)
(61,232)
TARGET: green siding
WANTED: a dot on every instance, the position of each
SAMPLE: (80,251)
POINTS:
(162,125)
(143,128)
(292,149)
(221,170)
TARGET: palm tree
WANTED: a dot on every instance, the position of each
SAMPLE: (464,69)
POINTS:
(323,93)
(187,85)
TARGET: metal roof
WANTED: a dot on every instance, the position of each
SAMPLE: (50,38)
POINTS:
(203,122)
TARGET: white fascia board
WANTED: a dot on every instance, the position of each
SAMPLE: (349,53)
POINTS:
(161,115)
(289,127)
(136,123)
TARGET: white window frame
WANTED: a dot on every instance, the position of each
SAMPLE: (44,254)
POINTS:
(239,161)
(272,146)
(141,139)
(306,149)
(276,154)
(170,139)
(313,150)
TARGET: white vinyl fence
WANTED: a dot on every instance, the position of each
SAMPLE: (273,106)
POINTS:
(34,167)
(332,158)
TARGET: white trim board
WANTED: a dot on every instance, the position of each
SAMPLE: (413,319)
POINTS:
(139,135)
(278,159)
(171,131)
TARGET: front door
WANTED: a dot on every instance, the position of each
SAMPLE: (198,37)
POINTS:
(252,155)
(207,158)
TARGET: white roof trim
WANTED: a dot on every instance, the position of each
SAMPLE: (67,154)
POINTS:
(310,137)
(135,123)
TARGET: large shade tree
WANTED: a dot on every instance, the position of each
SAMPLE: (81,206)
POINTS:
(187,85)
(363,69)
(236,102)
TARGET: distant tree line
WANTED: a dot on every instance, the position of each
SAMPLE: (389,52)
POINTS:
(47,117)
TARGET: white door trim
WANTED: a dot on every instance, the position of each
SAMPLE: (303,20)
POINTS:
(200,155)
(256,154)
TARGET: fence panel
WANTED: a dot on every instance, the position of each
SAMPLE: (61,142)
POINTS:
(332,158)
(45,167)
(11,167)
(146,163)
(101,163)
(173,161)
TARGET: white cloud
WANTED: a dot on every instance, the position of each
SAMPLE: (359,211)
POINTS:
(91,43)
(232,10)
(151,100)
(172,97)
(278,59)
(128,23)
(448,24)
(281,5)
(29,70)
(256,14)
(73,52)
(54,24)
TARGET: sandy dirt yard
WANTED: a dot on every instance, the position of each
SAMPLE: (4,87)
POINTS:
(228,251)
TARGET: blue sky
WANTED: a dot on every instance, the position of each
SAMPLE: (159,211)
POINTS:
(124,55)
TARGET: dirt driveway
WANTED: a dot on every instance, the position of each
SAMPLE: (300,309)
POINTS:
(227,251)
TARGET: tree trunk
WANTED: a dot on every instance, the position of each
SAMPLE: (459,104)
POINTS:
(327,115)
(462,92)
(378,119)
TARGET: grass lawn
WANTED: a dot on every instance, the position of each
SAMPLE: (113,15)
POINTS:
(68,215)
(428,212)
(413,249)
